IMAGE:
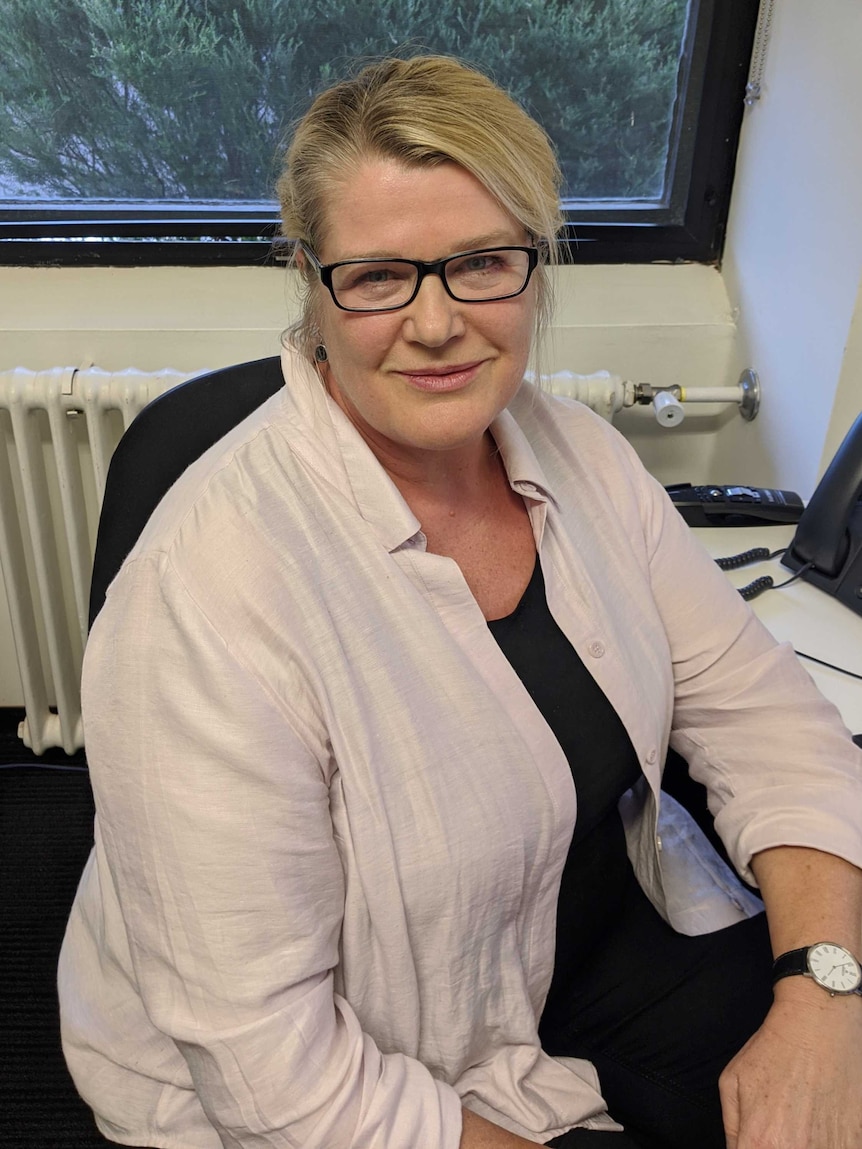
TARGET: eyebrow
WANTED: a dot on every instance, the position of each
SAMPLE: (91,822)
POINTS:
(475,243)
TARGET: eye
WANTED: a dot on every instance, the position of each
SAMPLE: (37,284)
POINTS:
(481,262)
(361,274)
(375,275)
(490,274)
(370,278)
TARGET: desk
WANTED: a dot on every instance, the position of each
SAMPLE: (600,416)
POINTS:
(801,614)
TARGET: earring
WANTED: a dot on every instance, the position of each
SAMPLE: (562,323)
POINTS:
(320,353)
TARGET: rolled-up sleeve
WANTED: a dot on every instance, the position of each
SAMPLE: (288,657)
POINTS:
(779,765)
(213,805)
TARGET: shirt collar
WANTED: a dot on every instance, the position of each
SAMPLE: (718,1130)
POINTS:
(329,444)
(523,468)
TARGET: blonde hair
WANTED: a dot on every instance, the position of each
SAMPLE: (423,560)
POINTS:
(422,112)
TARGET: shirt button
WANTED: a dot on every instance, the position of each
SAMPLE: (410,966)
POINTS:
(658,844)
(597,649)
(651,756)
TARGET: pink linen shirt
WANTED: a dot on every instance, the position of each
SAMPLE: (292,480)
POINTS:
(331,824)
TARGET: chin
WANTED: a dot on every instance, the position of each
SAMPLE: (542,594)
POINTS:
(448,433)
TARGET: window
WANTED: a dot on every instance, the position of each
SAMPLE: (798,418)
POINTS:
(148,131)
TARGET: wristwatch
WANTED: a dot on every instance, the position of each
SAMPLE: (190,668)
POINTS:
(830,965)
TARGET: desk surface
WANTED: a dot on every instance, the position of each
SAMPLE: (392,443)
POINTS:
(801,614)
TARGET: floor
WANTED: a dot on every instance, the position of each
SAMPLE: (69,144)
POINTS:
(46,830)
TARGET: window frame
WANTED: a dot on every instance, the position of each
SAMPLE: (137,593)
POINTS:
(57,235)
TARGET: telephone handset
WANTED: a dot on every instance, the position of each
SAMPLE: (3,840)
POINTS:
(827,546)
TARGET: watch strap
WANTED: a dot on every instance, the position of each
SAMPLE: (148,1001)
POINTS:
(792,962)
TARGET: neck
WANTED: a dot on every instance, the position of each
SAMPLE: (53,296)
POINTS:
(446,478)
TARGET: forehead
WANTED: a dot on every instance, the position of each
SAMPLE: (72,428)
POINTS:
(385,208)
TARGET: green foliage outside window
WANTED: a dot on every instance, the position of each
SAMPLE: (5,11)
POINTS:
(166,99)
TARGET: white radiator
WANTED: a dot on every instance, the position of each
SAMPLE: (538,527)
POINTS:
(58,430)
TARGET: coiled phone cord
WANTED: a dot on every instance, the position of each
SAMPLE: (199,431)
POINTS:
(756,555)
(765,582)
(753,589)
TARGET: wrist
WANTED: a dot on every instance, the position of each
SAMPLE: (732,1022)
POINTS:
(826,964)
(805,1006)
(804,991)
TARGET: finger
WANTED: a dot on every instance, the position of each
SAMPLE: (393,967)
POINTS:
(728,1091)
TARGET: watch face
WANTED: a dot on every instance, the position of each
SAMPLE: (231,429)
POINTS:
(834,968)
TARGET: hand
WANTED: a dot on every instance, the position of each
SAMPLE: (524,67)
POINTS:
(796,1083)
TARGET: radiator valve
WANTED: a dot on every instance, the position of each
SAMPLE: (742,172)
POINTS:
(666,401)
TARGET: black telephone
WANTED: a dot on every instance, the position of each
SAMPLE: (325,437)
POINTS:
(717,505)
(827,546)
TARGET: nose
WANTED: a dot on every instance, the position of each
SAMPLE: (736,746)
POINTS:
(434,317)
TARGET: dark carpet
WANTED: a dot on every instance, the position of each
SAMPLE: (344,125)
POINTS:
(46,831)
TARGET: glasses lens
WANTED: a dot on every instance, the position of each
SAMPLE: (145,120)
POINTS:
(373,285)
(488,274)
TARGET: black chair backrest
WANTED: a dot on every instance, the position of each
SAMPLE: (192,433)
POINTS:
(167,436)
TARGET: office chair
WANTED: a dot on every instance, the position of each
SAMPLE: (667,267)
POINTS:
(167,437)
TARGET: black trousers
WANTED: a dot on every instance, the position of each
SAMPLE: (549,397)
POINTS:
(660,1015)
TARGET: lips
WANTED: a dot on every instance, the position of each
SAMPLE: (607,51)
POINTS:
(447,378)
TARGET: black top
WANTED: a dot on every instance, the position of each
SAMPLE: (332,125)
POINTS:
(604,765)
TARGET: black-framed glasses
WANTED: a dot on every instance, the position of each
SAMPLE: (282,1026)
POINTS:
(389,284)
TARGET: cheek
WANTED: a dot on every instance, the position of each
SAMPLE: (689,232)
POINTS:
(358,342)
(526,327)
(530,329)
(515,332)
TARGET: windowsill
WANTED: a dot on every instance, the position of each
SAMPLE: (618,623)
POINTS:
(77,313)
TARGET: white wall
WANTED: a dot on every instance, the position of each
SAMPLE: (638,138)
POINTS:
(793,259)
(848,398)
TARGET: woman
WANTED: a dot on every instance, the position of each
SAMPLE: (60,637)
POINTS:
(344,891)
